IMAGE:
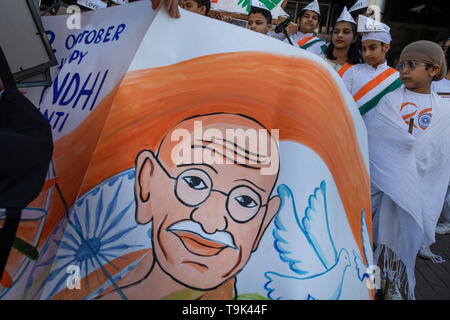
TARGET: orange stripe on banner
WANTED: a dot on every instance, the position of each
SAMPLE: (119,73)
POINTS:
(48,184)
(304,41)
(373,83)
(344,68)
(6,280)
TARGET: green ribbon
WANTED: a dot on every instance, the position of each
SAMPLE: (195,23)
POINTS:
(374,101)
(309,44)
(25,248)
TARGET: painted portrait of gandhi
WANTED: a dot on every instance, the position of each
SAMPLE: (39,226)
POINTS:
(208,197)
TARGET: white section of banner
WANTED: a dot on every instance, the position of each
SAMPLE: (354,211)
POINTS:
(228,6)
(265,261)
(92,60)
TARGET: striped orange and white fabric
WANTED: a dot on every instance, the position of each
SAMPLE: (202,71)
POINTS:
(344,68)
(304,41)
(308,42)
(371,93)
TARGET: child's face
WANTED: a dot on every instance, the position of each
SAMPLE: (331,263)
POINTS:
(257,22)
(191,5)
(374,52)
(445,46)
(309,21)
(416,76)
(343,36)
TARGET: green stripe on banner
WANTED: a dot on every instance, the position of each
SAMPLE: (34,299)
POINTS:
(324,48)
(25,248)
(269,5)
(309,44)
(245,4)
(374,101)
(251,296)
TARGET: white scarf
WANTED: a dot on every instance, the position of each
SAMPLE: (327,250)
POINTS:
(414,172)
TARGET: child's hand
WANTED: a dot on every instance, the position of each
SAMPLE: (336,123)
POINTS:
(292,28)
(171,6)
(219,16)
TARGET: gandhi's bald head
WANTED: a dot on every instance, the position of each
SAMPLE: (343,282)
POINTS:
(222,139)
(208,193)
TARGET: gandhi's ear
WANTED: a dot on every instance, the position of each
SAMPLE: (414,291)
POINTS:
(146,164)
(272,208)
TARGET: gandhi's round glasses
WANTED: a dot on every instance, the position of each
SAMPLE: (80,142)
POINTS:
(194,186)
(411,65)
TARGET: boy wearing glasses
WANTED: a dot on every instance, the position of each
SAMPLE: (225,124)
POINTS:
(409,148)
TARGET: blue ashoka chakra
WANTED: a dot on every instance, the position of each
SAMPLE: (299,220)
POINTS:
(424,120)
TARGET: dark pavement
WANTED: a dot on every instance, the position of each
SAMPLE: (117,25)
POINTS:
(433,279)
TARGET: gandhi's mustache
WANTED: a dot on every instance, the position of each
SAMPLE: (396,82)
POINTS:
(222,237)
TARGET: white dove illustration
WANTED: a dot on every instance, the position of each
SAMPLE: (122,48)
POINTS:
(305,243)
(362,269)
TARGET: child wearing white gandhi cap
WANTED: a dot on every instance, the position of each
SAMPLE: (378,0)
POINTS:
(361,7)
(308,21)
(370,81)
(343,51)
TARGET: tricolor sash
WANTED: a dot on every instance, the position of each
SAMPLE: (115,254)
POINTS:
(372,92)
(305,43)
(344,68)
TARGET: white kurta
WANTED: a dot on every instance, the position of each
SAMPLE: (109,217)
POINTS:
(359,75)
(273,34)
(314,48)
(442,88)
(409,177)
(332,64)
(417,107)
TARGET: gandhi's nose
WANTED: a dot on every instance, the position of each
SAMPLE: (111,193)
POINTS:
(212,214)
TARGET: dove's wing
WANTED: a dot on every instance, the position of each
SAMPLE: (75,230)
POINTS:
(282,287)
(315,224)
(361,267)
(290,240)
(367,242)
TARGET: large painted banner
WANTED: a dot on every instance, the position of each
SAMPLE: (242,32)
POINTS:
(194,159)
